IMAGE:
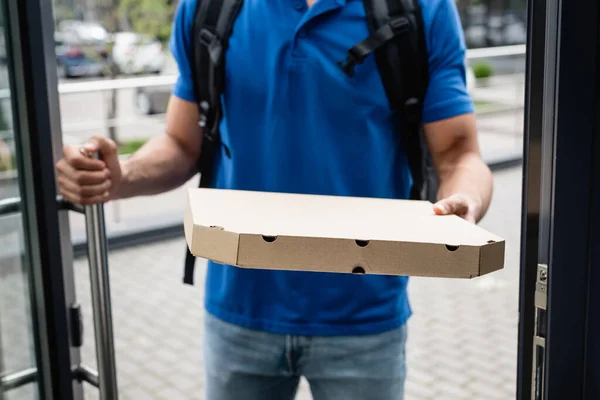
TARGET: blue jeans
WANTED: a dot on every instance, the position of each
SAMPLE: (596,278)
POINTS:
(244,364)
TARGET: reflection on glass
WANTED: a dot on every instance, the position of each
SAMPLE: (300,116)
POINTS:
(16,333)
(97,40)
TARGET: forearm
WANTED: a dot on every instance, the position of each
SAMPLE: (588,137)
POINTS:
(467,175)
(162,164)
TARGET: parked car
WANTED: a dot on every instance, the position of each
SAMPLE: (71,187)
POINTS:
(71,60)
(152,100)
(495,29)
(85,31)
(81,49)
(135,53)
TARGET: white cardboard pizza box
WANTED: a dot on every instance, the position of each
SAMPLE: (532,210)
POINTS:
(268,230)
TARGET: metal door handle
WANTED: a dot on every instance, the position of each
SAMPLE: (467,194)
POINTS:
(101,304)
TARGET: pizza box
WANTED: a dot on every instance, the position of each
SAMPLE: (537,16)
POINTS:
(266,230)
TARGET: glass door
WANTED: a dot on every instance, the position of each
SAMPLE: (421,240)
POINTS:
(18,363)
(41,330)
(39,350)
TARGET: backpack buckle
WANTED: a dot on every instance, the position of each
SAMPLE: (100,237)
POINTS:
(352,58)
(212,44)
(399,25)
(383,35)
(207,37)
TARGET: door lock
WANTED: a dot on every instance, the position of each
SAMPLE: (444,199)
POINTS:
(540,330)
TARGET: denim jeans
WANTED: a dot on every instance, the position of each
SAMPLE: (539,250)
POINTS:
(244,364)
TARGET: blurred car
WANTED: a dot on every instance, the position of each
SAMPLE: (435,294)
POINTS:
(81,49)
(152,100)
(71,60)
(134,53)
(495,29)
(85,31)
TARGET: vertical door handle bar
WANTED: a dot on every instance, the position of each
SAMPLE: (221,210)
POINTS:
(101,304)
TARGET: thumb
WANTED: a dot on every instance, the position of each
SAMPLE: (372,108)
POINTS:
(440,208)
(107,147)
(108,151)
(454,204)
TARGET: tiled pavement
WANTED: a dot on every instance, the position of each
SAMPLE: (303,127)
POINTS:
(16,342)
(462,338)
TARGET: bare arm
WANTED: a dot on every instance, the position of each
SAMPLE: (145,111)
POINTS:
(167,161)
(162,164)
(466,183)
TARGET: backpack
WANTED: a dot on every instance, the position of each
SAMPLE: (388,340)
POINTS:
(396,40)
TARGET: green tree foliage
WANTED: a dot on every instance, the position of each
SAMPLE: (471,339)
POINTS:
(62,13)
(149,17)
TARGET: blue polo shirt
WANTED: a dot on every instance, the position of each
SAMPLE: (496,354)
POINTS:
(294,122)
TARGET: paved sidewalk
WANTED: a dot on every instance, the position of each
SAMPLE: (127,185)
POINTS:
(462,339)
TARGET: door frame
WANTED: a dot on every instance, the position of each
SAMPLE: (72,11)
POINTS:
(561,185)
(29,27)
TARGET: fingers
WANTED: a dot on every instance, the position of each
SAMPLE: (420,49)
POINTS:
(83,187)
(82,176)
(455,204)
(88,190)
(84,201)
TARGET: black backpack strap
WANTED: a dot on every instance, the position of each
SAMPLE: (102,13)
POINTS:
(416,81)
(213,24)
(397,41)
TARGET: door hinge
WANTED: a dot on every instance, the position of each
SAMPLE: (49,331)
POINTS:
(539,336)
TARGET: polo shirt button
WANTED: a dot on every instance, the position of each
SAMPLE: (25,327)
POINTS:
(299,5)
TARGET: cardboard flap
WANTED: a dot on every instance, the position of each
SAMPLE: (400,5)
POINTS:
(222,224)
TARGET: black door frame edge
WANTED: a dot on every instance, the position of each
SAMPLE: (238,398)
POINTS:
(570,233)
(561,198)
(560,187)
(532,169)
(592,351)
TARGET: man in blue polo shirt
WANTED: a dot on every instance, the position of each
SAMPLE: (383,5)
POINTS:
(293,122)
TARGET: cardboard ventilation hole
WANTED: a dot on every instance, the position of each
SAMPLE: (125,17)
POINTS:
(336,234)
